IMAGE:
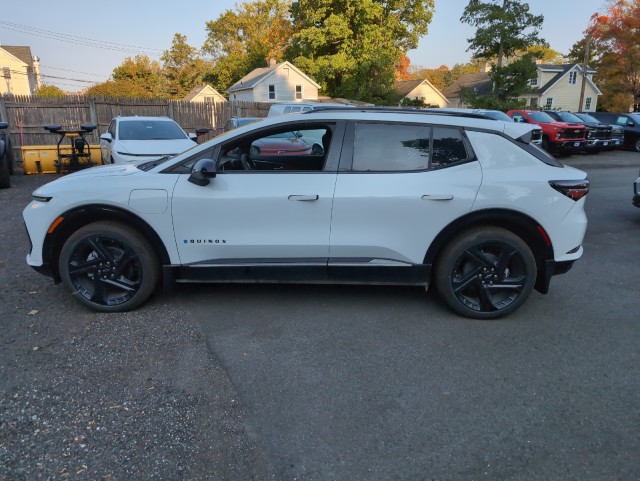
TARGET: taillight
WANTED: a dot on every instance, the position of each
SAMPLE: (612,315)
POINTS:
(574,189)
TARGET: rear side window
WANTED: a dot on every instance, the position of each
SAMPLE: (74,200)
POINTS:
(406,147)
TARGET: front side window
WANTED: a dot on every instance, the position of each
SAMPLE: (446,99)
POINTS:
(282,149)
(402,147)
(272,92)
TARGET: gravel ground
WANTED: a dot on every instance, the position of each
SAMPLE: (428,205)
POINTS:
(93,396)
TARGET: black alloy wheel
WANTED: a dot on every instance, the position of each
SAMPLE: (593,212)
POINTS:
(109,267)
(486,273)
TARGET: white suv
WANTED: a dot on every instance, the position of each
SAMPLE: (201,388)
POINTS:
(392,197)
(134,140)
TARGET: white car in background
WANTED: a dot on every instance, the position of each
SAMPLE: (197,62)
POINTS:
(394,196)
(134,140)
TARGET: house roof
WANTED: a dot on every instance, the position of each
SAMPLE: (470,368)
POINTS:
(562,70)
(405,87)
(480,82)
(21,53)
(260,74)
(198,90)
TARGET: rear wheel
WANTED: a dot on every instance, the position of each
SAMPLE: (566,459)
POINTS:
(636,147)
(109,267)
(486,273)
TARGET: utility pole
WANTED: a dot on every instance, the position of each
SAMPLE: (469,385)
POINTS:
(584,72)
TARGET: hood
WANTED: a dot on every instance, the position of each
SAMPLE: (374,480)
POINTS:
(154,147)
(568,125)
(116,170)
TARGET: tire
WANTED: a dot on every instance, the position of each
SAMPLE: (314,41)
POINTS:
(109,267)
(485,273)
(9,153)
(5,175)
(636,146)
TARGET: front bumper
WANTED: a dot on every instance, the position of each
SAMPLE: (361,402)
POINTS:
(568,145)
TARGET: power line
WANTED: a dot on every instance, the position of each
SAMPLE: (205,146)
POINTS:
(17,72)
(106,45)
(75,71)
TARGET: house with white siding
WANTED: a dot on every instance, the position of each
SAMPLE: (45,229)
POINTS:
(420,89)
(279,82)
(555,87)
(19,70)
(204,94)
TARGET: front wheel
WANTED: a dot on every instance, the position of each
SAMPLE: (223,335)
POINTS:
(636,147)
(109,267)
(486,273)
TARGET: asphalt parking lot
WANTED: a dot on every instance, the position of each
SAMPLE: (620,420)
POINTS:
(239,382)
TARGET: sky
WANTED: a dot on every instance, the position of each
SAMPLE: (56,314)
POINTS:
(80,47)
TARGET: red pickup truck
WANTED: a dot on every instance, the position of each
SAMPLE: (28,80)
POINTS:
(557,137)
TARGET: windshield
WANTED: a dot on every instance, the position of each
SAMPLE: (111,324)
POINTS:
(635,118)
(589,118)
(495,115)
(569,117)
(150,130)
(541,117)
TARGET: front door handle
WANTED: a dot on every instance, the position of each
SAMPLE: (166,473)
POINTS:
(437,197)
(304,198)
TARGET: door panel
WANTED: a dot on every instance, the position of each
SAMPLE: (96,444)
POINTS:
(252,218)
(393,217)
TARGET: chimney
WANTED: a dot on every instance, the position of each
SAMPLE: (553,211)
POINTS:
(272,62)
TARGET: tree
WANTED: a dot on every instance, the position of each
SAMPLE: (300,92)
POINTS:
(242,40)
(616,35)
(352,48)
(182,68)
(50,91)
(139,77)
(501,31)
(504,32)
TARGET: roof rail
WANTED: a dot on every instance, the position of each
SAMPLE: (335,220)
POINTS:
(397,110)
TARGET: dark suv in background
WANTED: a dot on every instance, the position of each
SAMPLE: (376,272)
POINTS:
(630,122)
(617,131)
(598,135)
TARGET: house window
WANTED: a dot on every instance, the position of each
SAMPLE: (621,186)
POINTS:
(298,92)
(6,72)
(549,103)
(272,92)
(587,103)
(573,77)
(209,100)
(533,102)
(533,82)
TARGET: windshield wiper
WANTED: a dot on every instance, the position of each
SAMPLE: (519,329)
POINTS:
(154,163)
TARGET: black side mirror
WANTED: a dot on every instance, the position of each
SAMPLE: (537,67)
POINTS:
(202,131)
(4,125)
(203,171)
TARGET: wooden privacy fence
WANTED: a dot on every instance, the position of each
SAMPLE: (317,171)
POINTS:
(27,115)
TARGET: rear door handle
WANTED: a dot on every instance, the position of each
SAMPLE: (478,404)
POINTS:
(304,198)
(437,197)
